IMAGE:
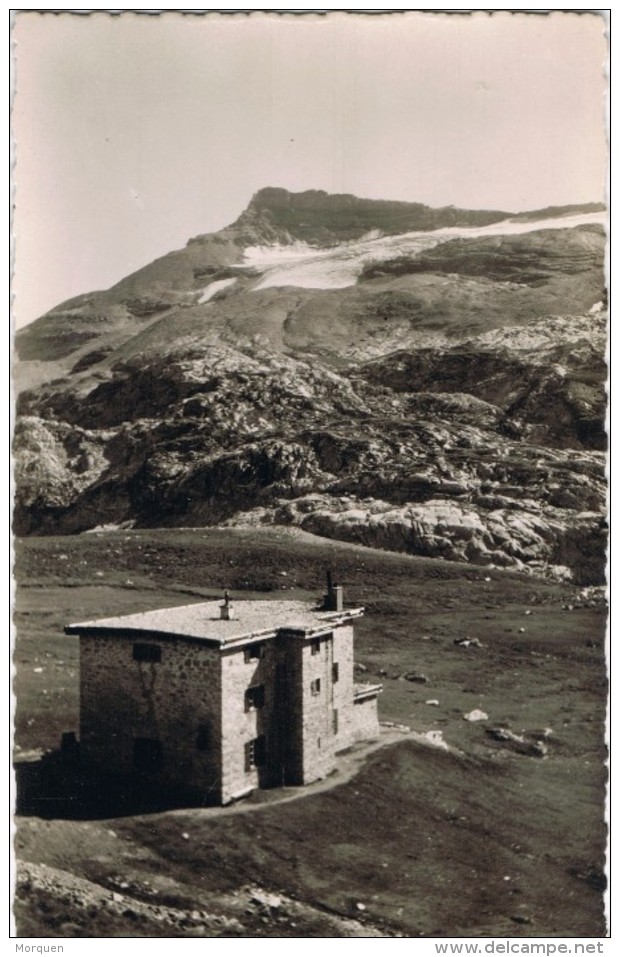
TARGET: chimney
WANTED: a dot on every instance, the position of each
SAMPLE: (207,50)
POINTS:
(333,600)
(226,608)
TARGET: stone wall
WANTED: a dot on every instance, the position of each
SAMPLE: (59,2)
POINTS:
(343,688)
(365,719)
(175,701)
(191,707)
(241,724)
(297,721)
(317,707)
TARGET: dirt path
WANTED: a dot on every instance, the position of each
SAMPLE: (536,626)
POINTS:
(349,764)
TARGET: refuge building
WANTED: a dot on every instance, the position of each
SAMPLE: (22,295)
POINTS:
(219,698)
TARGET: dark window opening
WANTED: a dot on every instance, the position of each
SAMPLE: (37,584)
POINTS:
(335,672)
(147,754)
(255,697)
(316,646)
(254,652)
(335,721)
(315,686)
(144,652)
(255,753)
(203,737)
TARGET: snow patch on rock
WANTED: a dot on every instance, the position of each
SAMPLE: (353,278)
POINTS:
(336,267)
(214,287)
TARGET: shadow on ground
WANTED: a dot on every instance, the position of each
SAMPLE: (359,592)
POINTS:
(57,787)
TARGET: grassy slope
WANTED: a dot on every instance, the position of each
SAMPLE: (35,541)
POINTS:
(425,839)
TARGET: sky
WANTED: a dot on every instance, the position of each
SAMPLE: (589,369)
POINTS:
(133,133)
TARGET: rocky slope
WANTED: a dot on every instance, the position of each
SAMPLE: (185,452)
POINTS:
(67,905)
(429,381)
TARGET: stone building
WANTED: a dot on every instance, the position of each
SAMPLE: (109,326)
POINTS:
(217,699)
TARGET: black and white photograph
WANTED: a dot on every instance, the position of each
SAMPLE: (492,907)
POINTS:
(309,451)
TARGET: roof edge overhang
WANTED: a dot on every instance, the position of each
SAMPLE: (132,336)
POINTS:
(235,641)
(102,631)
(365,692)
(322,627)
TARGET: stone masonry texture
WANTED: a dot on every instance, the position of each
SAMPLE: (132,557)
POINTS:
(220,721)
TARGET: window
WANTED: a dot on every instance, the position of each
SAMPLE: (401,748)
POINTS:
(335,672)
(315,686)
(335,721)
(203,737)
(255,752)
(147,754)
(316,646)
(254,652)
(144,652)
(255,697)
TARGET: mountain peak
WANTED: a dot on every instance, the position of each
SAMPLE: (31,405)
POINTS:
(325,219)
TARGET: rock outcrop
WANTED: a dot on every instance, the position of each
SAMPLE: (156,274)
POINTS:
(449,403)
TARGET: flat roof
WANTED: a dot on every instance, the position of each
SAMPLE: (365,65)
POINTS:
(201,621)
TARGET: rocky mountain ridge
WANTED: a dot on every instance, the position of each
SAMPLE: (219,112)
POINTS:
(275,218)
(447,400)
(326,219)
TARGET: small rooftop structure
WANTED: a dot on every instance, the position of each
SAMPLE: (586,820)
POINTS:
(218,698)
